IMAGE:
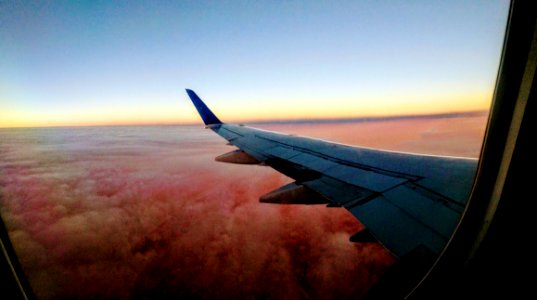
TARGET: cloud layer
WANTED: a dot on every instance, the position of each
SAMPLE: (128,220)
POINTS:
(145,212)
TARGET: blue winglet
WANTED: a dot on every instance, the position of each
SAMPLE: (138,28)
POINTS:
(206,114)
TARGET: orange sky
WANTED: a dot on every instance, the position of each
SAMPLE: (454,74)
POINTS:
(73,64)
(181,111)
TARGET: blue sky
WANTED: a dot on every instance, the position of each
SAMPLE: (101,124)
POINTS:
(104,62)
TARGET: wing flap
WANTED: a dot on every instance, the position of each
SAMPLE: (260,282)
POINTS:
(424,209)
(337,191)
(396,229)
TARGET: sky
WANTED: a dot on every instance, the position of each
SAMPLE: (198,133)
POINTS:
(66,63)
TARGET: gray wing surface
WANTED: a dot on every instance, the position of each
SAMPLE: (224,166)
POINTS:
(406,201)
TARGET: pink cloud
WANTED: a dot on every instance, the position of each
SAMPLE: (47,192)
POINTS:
(118,220)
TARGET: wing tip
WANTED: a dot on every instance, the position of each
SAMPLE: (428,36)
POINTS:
(208,117)
(191,93)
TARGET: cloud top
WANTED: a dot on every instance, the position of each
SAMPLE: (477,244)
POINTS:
(145,212)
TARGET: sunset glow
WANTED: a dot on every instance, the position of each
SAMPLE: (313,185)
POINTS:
(70,64)
(264,110)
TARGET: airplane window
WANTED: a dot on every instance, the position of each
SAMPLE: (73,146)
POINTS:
(109,186)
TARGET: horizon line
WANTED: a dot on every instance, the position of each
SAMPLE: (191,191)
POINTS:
(285,121)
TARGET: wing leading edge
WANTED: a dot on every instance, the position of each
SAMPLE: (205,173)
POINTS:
(406,201)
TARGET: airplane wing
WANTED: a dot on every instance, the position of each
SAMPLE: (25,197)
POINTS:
(406,201)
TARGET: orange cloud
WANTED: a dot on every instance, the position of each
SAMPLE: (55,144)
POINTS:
(145,212)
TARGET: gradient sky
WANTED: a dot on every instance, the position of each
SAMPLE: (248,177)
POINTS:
(103,62)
